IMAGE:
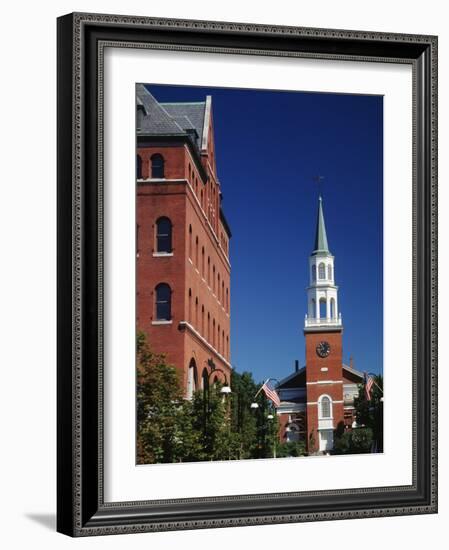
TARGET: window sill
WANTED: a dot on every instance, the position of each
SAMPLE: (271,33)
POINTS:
(162,322)
(162,254)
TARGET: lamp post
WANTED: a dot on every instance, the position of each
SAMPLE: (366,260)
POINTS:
(225,390)
(265,427)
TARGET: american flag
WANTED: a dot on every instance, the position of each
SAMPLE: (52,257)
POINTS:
(369,382)
(271,395)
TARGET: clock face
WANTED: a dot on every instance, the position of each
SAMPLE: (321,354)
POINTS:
(323,349)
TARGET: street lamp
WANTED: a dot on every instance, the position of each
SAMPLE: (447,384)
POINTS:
(225,389)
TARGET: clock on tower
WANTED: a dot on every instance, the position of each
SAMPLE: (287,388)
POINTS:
(323,331)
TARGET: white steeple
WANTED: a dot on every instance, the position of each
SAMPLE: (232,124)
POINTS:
(322,293)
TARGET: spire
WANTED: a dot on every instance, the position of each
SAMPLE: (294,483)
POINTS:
(320,235)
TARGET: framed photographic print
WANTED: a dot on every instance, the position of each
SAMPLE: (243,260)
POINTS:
(247,252)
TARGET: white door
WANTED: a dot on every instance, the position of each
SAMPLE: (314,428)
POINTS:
(326,440)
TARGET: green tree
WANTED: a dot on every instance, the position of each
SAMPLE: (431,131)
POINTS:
(355,441)
(369,413)
(159,406)
(243,419)
(292,448)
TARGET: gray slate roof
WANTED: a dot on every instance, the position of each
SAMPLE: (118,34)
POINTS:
(168,119)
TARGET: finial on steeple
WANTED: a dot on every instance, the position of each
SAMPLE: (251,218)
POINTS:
(320,233)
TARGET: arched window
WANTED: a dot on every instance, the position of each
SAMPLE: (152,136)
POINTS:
(163,302)
(314,272)
(202,262)
(325,407)
(157,166)
(312,308)
(139,167)
(329,272)
(321,271)
(202,321)
(192,379)
(196,313)
(323,312)
(163,235)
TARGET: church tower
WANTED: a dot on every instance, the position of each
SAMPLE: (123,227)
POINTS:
(323,332)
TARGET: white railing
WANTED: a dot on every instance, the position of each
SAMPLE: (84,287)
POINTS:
(322,321)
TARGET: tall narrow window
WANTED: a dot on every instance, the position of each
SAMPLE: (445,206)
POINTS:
(218,289)
(323,310)
(190,306)
(196,252)
(163,302)
(325,406)
(208,270)
(321,271)
(139,167)
(190,241)
(314,272)
(157,166)
(202,321)
(227,300)
(163,235)
(191,379)
(202,262)
(329,272)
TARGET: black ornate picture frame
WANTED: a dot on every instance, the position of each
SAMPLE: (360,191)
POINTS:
(81,509)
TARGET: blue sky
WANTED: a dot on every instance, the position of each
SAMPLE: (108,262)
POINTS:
(270,145)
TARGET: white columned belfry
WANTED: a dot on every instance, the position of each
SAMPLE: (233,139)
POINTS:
(322,293)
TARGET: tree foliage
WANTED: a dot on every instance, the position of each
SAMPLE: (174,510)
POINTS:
(210,426)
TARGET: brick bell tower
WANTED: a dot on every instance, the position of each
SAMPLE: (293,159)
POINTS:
(323,332)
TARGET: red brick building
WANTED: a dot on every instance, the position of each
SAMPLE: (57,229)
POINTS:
(183,268)
(319,398)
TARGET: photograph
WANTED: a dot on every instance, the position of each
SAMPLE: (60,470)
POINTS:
(259,274)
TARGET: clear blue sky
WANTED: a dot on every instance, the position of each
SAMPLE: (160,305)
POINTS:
(270,145)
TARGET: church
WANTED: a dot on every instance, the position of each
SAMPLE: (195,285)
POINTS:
(318,398)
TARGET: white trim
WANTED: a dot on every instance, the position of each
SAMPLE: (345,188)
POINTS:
(331,408)
(211,348)
(162,254)
(316,402)
(324,369)
(325,382)
(162,322)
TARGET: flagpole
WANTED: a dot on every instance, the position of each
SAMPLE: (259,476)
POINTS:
(260,389)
